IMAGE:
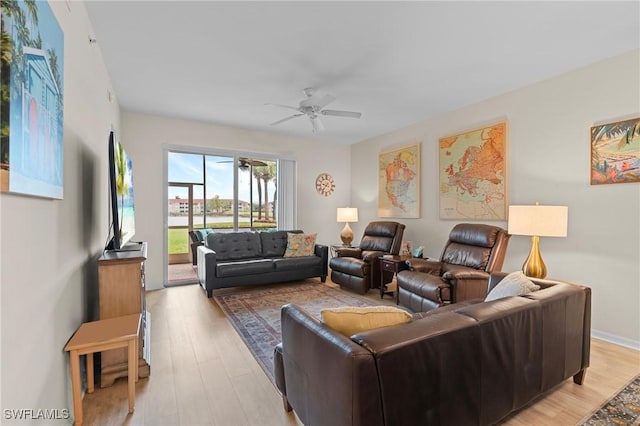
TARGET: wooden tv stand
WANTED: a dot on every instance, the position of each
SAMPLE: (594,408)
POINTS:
(121,282)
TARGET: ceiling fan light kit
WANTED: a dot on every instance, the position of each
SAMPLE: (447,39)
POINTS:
(313,106)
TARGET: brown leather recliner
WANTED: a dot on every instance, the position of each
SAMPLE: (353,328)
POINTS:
(471,254)
(358,268)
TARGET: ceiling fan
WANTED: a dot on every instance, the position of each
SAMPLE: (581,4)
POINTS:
(244,163)
(313,106)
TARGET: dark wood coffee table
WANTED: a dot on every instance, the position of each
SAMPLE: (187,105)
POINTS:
(394,264)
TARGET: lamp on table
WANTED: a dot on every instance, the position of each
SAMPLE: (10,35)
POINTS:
(537,221)
(347,214)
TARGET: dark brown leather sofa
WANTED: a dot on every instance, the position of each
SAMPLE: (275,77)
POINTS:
(470,363)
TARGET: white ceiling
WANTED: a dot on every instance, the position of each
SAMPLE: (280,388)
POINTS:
(396,62)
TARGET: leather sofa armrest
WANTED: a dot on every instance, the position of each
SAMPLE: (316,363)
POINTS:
(433,267)
(349,252)
(206,259)
(322,251)
(278,369)
(370,256)
(465,274)
(467,283)
(278,372)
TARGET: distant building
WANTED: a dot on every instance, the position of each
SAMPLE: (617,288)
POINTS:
(180,206)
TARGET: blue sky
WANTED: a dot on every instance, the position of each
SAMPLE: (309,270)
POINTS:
(188,168)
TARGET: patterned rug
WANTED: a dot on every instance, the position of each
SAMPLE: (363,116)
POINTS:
(622,409)
(255,312)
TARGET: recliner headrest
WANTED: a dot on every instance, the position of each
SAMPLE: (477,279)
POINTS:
(475,234)
(381,229)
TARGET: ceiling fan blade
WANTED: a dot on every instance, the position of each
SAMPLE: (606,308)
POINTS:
(317,124)
(254,163)
(286,119)
(337,113)
(284,106)
(317,100)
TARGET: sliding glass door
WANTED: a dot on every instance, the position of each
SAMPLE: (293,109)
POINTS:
(220,192)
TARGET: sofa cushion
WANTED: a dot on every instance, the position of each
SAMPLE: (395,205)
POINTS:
(293,263)
(245,267)
(351,320)
(235,245)
(300,245)
(274,243)
(514,284)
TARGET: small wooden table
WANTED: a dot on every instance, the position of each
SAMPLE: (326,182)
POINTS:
(98,336)
(394,264)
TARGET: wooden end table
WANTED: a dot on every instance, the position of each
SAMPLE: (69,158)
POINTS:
(394,264)
(98,336)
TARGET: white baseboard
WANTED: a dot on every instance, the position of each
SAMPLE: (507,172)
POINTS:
(612,338)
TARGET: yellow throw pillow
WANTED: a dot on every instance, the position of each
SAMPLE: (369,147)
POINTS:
(352,320)
(300,245)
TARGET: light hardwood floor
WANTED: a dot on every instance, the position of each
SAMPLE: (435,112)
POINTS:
(203,374)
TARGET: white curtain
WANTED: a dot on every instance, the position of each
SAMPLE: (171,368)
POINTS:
(287,215)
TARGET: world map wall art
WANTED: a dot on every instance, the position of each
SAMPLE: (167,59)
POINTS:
(473,178)
(399,182)
(615,152)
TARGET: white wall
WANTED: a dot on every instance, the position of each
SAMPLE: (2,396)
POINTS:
(548,161)
(145,136)
(49,248)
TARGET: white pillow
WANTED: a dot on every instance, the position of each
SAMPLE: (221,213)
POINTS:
(514,284)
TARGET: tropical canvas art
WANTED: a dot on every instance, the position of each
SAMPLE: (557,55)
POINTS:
(473,178)
(615,152)
(399,182)
(31,142)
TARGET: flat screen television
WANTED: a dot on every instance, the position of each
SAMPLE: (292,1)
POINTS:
(121,190)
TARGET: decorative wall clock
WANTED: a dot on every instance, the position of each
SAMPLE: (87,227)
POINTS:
(325,184)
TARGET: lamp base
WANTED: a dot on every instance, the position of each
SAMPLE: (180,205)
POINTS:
(534,265)
(346,235)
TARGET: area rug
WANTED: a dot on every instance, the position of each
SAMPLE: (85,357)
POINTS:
(255,313)
(622,409)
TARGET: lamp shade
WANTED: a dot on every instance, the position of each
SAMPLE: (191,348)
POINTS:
(541,221)
(347,214)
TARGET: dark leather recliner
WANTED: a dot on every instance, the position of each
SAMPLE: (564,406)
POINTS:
(471,254)
(358,268)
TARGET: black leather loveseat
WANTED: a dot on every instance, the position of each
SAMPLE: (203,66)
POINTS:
(247,258)
(469,363)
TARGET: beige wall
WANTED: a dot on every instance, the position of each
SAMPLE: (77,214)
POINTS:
(146,136)
(548,161)
(49,247)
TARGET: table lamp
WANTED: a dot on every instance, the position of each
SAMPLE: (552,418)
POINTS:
(347,214)
(537,221)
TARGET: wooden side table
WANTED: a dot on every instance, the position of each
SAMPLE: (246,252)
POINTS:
(394,264)
(98,336)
